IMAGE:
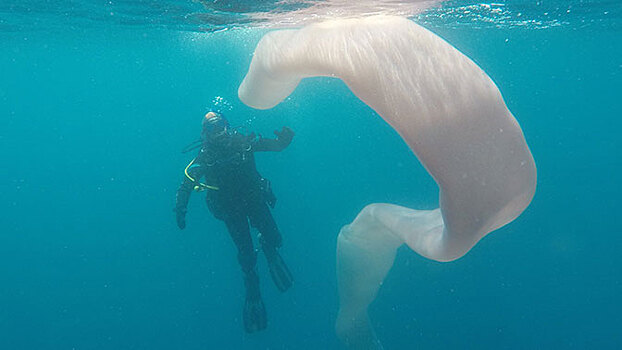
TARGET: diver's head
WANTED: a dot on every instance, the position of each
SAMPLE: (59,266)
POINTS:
(215,127)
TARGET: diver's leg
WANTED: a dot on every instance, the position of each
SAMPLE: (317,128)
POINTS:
(254,313)
(240,233)
(261,218)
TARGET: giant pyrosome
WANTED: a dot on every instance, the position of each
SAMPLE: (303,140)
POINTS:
(449,112)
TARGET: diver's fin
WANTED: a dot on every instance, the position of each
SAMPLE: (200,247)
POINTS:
(255,318)
(281,276)
(254,313)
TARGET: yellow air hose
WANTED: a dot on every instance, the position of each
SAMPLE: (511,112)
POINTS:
(201,186)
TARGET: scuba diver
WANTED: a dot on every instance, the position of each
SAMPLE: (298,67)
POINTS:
(237,194)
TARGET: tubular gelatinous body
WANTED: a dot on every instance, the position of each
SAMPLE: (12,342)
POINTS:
(448,111)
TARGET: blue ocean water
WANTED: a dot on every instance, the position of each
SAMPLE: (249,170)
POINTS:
(97,100)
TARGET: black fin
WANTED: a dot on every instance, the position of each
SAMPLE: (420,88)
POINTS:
(254,313)
(281,275)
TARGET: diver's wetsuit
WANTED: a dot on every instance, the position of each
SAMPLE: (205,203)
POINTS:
(237,191)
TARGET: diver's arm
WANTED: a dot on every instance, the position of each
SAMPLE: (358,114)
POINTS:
(192,175)
(183,194)
(181,202)
(283,139)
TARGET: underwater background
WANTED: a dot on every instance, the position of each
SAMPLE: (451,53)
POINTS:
(95,110)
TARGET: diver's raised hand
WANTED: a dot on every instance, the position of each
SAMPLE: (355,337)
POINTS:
(285,135)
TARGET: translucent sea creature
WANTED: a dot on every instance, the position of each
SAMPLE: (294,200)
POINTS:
(446,109)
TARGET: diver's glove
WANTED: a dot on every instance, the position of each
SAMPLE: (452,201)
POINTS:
(285,136)
(181,217)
